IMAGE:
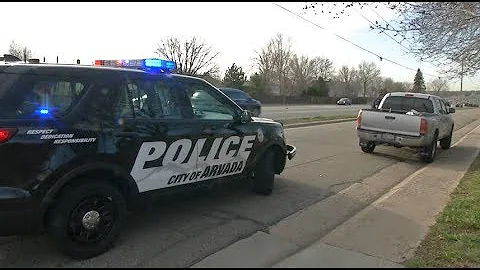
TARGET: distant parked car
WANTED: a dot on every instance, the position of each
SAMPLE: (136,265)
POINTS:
(344,101)
(243,100)
(466,105)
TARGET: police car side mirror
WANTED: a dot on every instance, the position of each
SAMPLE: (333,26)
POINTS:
(245,116)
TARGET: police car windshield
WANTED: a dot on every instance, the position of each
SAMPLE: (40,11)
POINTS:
(32,96)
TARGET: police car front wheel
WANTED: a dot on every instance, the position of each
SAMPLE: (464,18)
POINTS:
(264,175)
(87,218)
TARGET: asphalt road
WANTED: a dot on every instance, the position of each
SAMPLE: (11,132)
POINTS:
(278,112)
(182,231)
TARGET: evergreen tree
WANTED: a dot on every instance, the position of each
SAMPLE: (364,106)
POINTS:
(419,83)
(256,85)
(234,77)
(318,88)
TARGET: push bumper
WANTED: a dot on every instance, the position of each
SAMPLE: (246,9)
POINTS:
(19,214)
(291,151)
(393,139)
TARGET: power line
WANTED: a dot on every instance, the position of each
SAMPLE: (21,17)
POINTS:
(358,46)
(387,23)
(407,49)
(404,38)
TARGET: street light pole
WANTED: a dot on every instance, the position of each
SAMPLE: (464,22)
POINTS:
(461,79)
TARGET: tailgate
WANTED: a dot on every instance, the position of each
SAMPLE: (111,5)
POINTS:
(395,123)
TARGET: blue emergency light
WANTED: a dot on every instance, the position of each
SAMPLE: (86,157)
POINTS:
(43,112)
(150,64)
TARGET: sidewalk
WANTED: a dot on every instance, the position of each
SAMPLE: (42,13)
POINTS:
(384,234)
(388,231)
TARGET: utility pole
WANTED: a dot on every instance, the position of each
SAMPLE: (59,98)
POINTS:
(461,79)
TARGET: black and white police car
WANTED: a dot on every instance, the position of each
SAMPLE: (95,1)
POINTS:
(80,144)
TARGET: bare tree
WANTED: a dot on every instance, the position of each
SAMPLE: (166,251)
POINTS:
(438,84)
(192,56)
(265,61)
(407,86)
(377,86)
(388,85)
(397,87)
(301,73)
(367,72)
(323,68)
(443,33)
(273,62)
(282,57)
(347,76)
(19,51)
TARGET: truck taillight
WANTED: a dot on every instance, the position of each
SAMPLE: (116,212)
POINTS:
(6,134)
(359,119)
(423,126)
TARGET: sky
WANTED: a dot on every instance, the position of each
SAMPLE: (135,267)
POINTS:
(131,30)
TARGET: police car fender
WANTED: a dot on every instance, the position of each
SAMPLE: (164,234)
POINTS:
(182,165)
(116,170)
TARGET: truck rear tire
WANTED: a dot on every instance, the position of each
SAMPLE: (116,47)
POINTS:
(368,148)
(430,151)
(446,142)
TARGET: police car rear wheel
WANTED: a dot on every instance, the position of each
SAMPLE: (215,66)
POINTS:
(87,218)
(264,175)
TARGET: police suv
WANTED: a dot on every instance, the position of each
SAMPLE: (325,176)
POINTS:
(80,144)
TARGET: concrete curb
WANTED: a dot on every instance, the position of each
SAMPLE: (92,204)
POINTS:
(316,123)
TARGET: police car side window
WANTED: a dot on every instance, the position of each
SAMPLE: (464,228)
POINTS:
(208,104)
(124,106)
(141,100)
(50,94)
(168,100)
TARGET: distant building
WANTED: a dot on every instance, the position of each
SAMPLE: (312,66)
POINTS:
(10,58)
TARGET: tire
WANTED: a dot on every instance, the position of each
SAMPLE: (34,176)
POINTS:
(446,142)
(264,175)
(67,220)
(431,150)
(368,148)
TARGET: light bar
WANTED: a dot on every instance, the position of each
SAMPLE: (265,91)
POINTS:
(152,64)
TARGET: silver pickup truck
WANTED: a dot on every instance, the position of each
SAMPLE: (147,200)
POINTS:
(407,119)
